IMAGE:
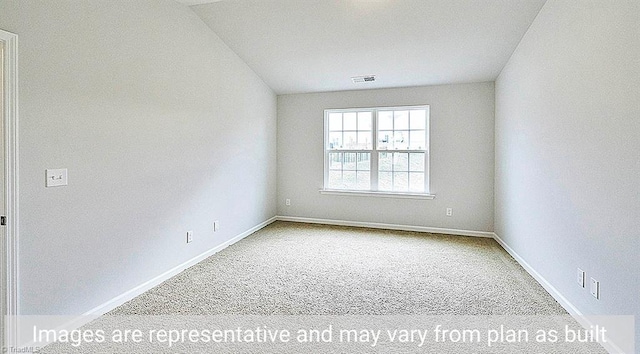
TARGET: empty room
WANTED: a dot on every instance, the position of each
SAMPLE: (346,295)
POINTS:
(320,176)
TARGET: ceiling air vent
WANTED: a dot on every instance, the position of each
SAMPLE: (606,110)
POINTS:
(360,79)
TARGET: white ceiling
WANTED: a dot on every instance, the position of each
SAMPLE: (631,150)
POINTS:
(318,45)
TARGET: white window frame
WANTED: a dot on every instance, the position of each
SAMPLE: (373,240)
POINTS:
(373,191)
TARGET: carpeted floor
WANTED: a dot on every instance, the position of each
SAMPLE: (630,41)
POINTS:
(304,269)
(316,277)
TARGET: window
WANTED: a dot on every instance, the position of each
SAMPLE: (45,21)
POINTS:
(381,150)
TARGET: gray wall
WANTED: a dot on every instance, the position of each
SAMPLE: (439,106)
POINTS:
(163,129)
(567,151)
(462,149)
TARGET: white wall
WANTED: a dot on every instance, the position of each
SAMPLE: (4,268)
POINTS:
(163,129)
(462,132)
(567,151)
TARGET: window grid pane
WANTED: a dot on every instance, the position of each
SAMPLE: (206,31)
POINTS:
(416,161)
(416,182)
(385,120)
(365,120)
(401,162)
(363,180)
(335,179)
(364,161)
(401,171)
(402,130)
(418,119)
(400,181)
(335,140)
(349,170)
(417,139)
(335,122)
(350,131)
(349,121)
(401,120)
(385,181)
(364,140)
(349,161)
(335,161)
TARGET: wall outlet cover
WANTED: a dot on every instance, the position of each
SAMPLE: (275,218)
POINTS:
(595,288)
(580,277)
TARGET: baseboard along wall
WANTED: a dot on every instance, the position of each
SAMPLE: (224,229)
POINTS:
(138,290)
(374,225)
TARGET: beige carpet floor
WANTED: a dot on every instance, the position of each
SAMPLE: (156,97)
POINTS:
(291,268)
(307,270)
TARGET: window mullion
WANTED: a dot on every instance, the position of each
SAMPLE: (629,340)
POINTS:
(374,170)
(326,149)
(374,151)
(426,173)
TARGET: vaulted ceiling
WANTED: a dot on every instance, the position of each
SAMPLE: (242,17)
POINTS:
(318,45)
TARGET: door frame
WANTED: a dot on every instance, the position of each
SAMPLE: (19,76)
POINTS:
(9,245)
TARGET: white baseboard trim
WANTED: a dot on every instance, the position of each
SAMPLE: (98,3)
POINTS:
(373,225)
(87,317)
(138,290)
(100,310)
(609,346)
(573,311)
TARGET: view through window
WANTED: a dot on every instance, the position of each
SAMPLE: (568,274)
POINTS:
(382,149)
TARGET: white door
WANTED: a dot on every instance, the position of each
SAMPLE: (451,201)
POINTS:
(3,270)
(8,188)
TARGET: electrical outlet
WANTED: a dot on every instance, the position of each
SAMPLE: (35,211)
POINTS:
(580,278)
(189,236)
(595,288)
(216,226)
(449,211)
(287,202)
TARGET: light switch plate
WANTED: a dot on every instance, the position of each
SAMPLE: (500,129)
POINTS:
(56,177)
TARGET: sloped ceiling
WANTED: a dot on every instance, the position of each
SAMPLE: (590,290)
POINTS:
(318,45)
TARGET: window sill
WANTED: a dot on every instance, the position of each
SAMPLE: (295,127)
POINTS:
(378,194)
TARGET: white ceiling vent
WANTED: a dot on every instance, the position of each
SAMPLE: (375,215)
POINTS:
(366,78)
